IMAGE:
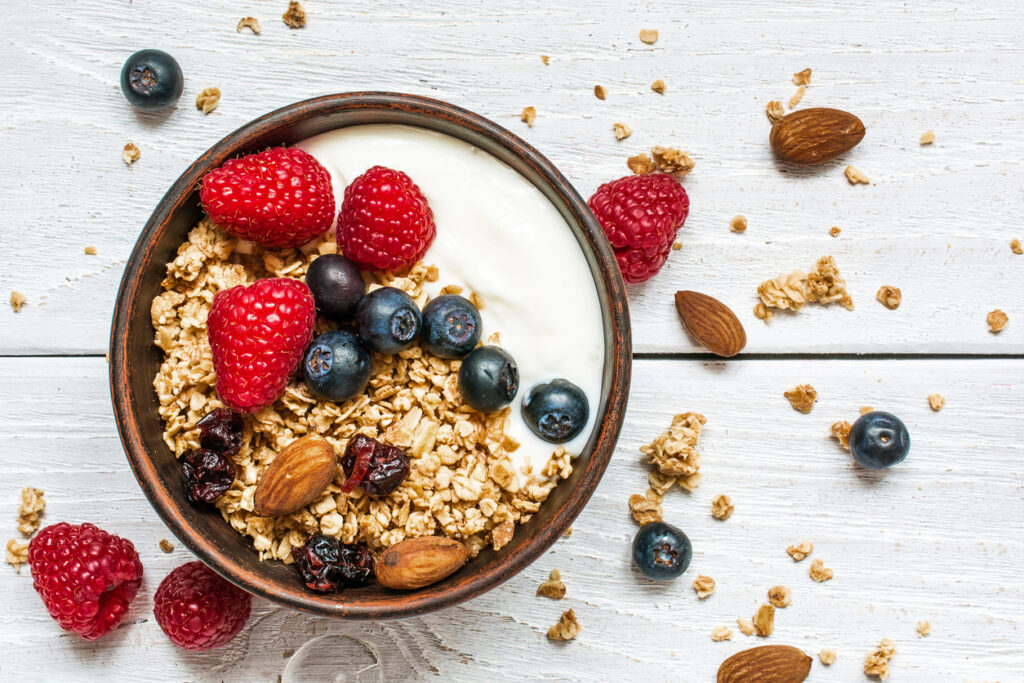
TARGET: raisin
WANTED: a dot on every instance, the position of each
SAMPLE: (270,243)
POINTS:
(207,475)
(221,431)
(327,565)
(388,468)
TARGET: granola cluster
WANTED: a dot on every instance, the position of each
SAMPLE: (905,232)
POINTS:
(462,482)
(554,587)
(877,661)
(567,627)
(674,454)
(30,510)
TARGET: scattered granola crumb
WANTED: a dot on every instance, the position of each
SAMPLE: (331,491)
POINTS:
(640,164)
(877,661)
(658,86)
(649,35)
(865,409)
(936,401)
(889,296)
(827,657)
(704,586)
(672,160)
(622,131)
(780,596)
(764,620)
(477,301)
(802,397)
(746,626)
(797,96)
(599,92)
(17,300)
(834,231)
(130,153)
(928,137)
(529,115)
(819,572)
(250,23)
(855,176)
(761,312)
(720,633)
(90,250)
(166,545)
(295,15)
(1015,246)
(568,532)
(996,320)
(841,430)
(567,627)
(800,550)
(924,628)
(738,224)
(802,77)
(722,507)
(502,534)
(785,292)
(545,59)
(824,286)
(208,100)
(674,454)
(31,508)
(774,111)
(17,553)
(552,588)
(645,509)
(451,289)
(677,245)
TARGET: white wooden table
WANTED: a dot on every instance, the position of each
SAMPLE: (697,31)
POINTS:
(938,538)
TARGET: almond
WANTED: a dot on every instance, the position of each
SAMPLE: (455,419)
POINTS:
(296,477)
(711,323)
(766,664)
(813,136)
(418,562)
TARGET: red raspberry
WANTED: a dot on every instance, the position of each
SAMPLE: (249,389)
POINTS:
(281,197)
(86,577)
(641,215)
(385,222)
(258,334)
(198,610)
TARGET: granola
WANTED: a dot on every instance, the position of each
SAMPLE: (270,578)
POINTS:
(819,572)
(208,100)
(674,454)
(646,509)
(649,35)
(855,176)
(824,286)
(90,250)
(928,137)
(738,224)
(704,586)
(996,319)
(889,296)
(841,430)
(797,96)
(641,164)
(1015,246)
(780,596)
(877,661)
(599,92)
(17,300)
(567,627)
(672,160)
(764,620)
(17,553)
(250,23)
(658,86)
(528,115)
(30,510)
(166,545)
(785,292)
(827,656)
(622,131)
(800,550)
(802,397)
(552,588)
(745,625)
(835,230)
(720,633)
(774,111)
(131,153)
(924,628)
(866,409)
(722,507)
(295,15)
(936,401)
(802,77)
(546,59)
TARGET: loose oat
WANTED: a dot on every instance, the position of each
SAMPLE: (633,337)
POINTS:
(802,397)
(834,231)
(936,401)
(785,292)
(855,176)
(641,164)
(800,550)
(677,245)
(1015,246)
(649,35)
(645,509)
(819,572)
(599,92)
(704,586)
(746,626)
(546,59)
(295,15)
(30,510)
(802,77)
(674,454)
(889,296)
(166,546)
(552,588)
(208,100)
(672,160)
(780,596)
(622,131)
(722,507)
(774,111)
(928,137)
(797,96)
(827,657)
(996,320)
(924,628)
(131,153)
(877,661)
(250,23)
(738,224)
(764,620)
(529,115)
(90,251)
(17,300)
(567,627)
(17,553)
(761,312)
(720,633)
(658,86)
(841,430)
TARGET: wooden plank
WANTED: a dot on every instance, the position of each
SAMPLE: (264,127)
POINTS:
(937,538)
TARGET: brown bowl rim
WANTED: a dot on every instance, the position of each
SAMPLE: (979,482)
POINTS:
(463,585)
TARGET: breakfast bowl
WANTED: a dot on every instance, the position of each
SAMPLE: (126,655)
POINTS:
(135,360)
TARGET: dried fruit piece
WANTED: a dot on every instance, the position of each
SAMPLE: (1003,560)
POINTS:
(814,136)
(386,466)
(327,565)
(418,562)
(221,431)
(711,323)
(296,477)
(206,475)
(766,664)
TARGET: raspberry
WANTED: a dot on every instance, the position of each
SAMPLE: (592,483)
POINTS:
(258,334)
(278,198)
(85,576)
(641,215)
(198,610)
(385,222)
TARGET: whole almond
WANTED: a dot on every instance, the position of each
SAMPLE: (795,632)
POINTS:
(418,562)
(766,664)
(711,323)
(813,136)
(296,477)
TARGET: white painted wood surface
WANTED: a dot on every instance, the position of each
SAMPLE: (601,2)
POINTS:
(938,538)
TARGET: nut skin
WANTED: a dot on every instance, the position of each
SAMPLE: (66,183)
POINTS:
(296,477)
(418,562)
(766,664)
(711,323)
(814,136)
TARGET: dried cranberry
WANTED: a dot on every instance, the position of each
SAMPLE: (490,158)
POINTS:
(207,475)
(389,465)
(356,461)
(327,565)
(221,431)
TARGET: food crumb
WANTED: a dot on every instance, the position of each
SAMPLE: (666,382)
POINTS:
(1015,246)
(250,23)
(996,319)
(31,508)
(775,111)
(674,454)
(738,224)
(720,633)
(928,137)
(834,231)
(746,626)
(649,35)
(819,572)
(677,245)
(672,160)
(825,286)
(936,401)
(295,15)
(924,628)
(827,657)
(567,627)
(645,509)
(800,550)
(802,397)
(877,661)
(889,296)
(841,430)
(797,96)
(704,586)
(855,176)
(780,596)
(166,545)
(546,59)
(90,250)
(722,507)
(641,164)
(131,153)
(553,588)
(785,292)
(599,92)
(865,409)
(568,532)
(622,131)
(761,312)
(17,553)
(802,77)
(658,86)
(764,620)
(208,100)
(17,300)
(529,115)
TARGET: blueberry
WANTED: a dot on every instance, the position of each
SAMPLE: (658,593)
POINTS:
(151,80)
(556,411)
(388,320)
(661,551)
(336,366)
(451,326)
(488,379)
(879,440)
(337,286)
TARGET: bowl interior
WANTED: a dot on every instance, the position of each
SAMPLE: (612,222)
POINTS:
(135,360)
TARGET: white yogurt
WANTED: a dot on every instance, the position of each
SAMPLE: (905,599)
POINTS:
(498,236)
